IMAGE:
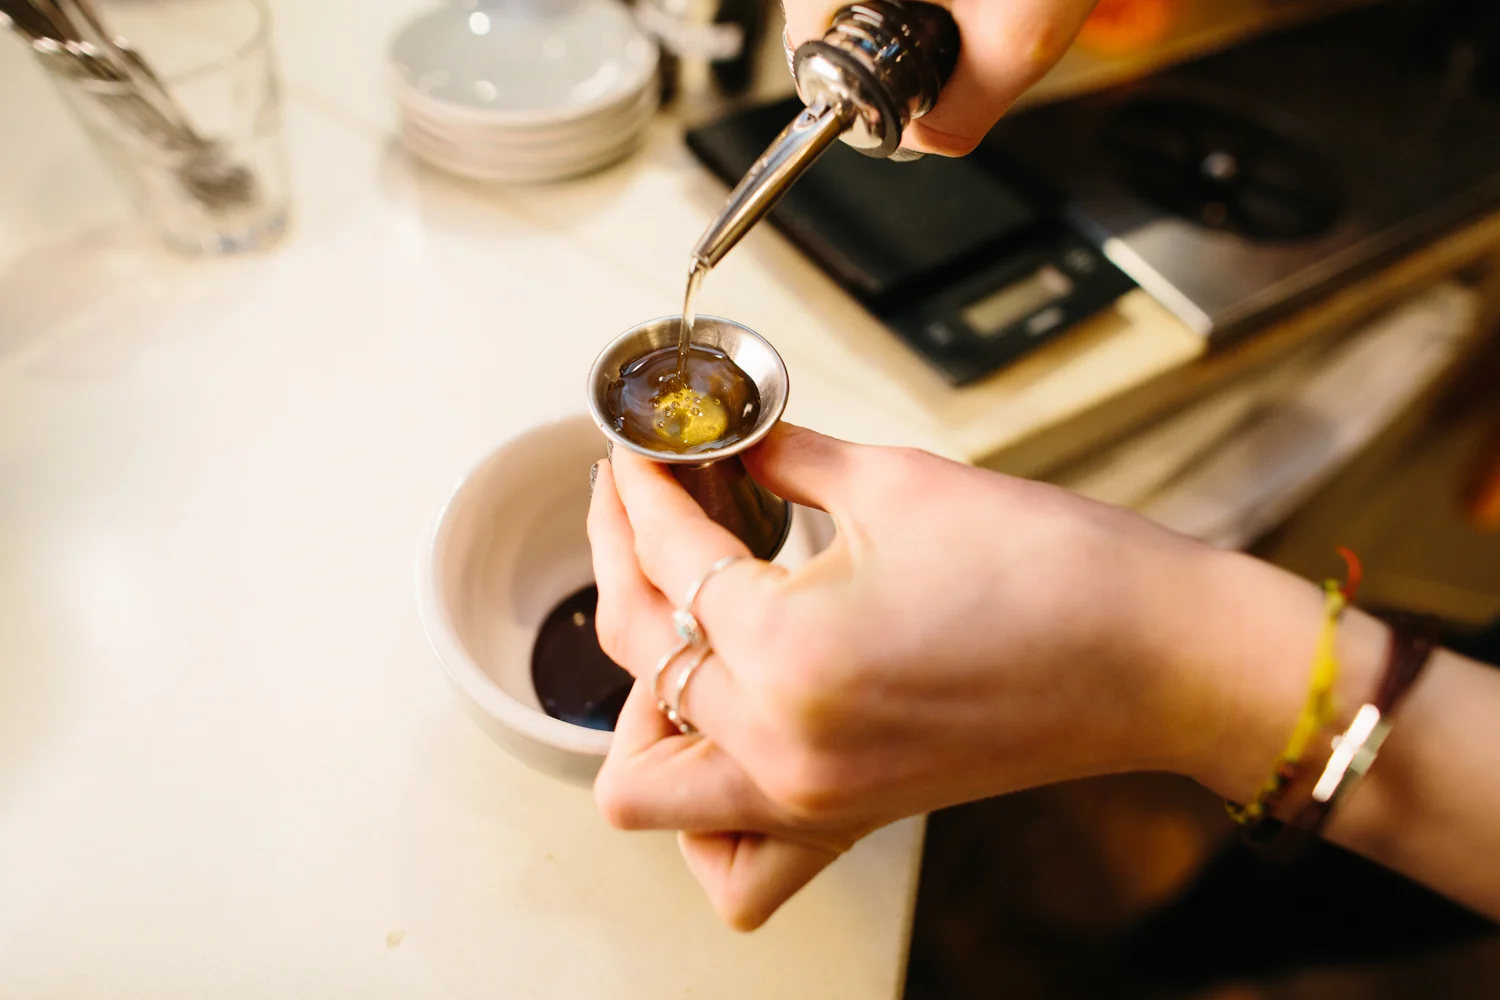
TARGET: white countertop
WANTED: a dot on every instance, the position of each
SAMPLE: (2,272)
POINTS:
(229,766)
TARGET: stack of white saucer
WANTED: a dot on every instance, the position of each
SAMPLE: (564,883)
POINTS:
(499,90)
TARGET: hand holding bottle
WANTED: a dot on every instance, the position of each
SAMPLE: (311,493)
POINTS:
(1007,46)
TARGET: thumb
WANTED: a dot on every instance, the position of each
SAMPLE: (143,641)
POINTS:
(1006,48)
(806,467)
(748,876)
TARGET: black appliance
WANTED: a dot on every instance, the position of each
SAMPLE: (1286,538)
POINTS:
(1231,188)
(1239,185)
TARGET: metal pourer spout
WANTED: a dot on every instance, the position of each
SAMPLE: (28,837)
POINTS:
(879,67)
(794,150)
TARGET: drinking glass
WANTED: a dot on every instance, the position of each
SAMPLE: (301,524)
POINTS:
(216,185)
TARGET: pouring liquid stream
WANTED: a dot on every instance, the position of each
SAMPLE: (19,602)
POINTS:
(696,273)
(688,397)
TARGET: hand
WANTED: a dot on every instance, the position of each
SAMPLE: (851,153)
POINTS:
(966,634)
(1007,46)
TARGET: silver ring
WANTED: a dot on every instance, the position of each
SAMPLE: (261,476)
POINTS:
(661,669)
(674,712)
(683,619)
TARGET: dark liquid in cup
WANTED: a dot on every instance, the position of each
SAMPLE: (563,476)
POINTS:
(712,403)
(574,680)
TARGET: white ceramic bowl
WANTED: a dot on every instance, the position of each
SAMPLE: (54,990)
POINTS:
(508,544)
(522,63)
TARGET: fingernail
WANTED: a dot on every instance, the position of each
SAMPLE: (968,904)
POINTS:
(593,477)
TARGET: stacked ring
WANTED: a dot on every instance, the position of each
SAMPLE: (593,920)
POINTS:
(661,670)
(692,636)
(674,712)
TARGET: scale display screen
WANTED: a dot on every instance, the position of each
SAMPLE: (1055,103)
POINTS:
(994,313)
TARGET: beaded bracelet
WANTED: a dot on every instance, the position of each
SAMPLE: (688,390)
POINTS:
(1317,710)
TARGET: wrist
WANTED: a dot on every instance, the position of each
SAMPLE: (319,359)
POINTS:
(1243,644)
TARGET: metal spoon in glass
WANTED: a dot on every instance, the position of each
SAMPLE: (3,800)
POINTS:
(59,32)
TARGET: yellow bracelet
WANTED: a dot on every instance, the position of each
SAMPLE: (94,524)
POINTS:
(1317,711)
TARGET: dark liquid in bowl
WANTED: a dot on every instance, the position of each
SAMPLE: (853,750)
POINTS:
(574,680)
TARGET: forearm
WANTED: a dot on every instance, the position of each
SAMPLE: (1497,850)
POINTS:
(1430,805)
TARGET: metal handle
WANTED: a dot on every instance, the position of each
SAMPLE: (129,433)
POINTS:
(129,61)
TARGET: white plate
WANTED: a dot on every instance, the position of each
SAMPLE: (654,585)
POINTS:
(526,62)
(479,158)
(480,163)
(497,175)
(613,120)
(483,160)
(447,160)
(608,131)
(438,114)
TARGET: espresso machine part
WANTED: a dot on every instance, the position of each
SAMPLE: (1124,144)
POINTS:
(708,47)
(879,67)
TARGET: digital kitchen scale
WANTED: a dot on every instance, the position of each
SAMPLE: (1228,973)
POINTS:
(1252,180)
(961,259)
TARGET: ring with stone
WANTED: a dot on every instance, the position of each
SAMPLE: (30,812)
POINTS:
(683,620)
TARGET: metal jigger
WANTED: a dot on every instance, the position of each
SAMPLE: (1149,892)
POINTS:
(716,478)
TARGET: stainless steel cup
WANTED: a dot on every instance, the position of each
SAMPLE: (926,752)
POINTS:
(717,479)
